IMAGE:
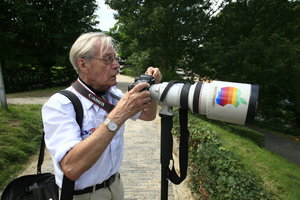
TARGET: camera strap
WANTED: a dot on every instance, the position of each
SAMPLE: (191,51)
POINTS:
(183,149)
(167,142)
(99,101)
(166,90)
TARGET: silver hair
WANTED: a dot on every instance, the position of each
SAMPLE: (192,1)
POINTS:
(90,44)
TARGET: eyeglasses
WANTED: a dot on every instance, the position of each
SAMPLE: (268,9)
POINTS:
(108,60)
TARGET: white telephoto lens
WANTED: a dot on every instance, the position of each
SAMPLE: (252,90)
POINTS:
(225,101)
(228,101)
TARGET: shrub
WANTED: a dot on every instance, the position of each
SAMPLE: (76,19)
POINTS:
(217,173)
(26,77)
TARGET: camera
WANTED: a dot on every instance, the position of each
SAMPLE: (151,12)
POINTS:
(224,101)
(142,78)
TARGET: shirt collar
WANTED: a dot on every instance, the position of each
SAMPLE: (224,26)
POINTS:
(98,93)
(86,101)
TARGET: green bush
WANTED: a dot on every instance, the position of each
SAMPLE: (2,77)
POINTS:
(140,62)
(217,173)
(26,77)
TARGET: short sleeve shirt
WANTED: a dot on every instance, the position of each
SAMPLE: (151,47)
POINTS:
(62,133)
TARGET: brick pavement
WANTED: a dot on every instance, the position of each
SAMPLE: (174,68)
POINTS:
(141,165)
(141,169)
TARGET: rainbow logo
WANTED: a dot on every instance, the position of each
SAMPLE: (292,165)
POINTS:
(230,95)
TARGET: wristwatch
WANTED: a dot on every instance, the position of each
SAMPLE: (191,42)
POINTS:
(111,125)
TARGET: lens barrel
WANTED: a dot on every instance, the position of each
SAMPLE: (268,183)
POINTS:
(225,101)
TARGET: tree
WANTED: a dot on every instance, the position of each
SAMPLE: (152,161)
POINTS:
(249,41)
(159,33)
(2,91)
(36,35)
(257,42)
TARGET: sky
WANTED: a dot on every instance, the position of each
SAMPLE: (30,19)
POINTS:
(105,16)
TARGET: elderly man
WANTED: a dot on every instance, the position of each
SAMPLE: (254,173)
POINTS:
(92,156)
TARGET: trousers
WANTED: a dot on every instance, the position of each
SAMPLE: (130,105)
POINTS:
(114,192)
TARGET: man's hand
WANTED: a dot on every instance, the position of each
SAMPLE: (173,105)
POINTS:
(137,100)
(131,103)
(155,72)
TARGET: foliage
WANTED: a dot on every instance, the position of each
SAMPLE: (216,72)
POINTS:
(20,136)
(25,78)
(36,35)
(139,59)
(159,33)
(215,171)
(258,42)
(248,41)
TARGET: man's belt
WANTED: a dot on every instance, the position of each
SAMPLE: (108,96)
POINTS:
(104,184)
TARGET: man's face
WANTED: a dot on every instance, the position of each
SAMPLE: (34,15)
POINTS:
(101,74)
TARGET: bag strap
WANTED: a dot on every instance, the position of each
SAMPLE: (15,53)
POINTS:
(76,104)
(41,155)
(67,185)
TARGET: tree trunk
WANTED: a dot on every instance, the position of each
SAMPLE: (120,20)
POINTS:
(2,91)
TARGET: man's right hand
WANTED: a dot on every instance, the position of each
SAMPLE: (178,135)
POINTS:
(131,103)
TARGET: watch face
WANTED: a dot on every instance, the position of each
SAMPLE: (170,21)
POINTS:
(112,126)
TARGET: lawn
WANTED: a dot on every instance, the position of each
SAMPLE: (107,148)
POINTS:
(20,136)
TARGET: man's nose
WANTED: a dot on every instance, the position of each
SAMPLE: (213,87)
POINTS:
(115,64)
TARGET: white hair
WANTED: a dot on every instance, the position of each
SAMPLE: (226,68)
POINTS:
(88,45)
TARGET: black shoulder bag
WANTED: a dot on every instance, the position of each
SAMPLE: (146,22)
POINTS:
(42,186)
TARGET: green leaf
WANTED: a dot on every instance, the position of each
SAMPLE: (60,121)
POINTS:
(242,100)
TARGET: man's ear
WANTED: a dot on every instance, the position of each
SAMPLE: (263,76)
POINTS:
(82,65)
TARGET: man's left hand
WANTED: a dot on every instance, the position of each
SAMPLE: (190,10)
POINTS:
(155,72)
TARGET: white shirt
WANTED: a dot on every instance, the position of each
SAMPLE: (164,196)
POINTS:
(62,133)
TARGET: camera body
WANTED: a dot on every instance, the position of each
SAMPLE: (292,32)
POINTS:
(142,78)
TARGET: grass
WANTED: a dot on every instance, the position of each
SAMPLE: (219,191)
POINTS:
(279,175)
(20,137)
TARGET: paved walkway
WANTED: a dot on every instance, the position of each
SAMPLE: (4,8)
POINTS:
(141,166)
